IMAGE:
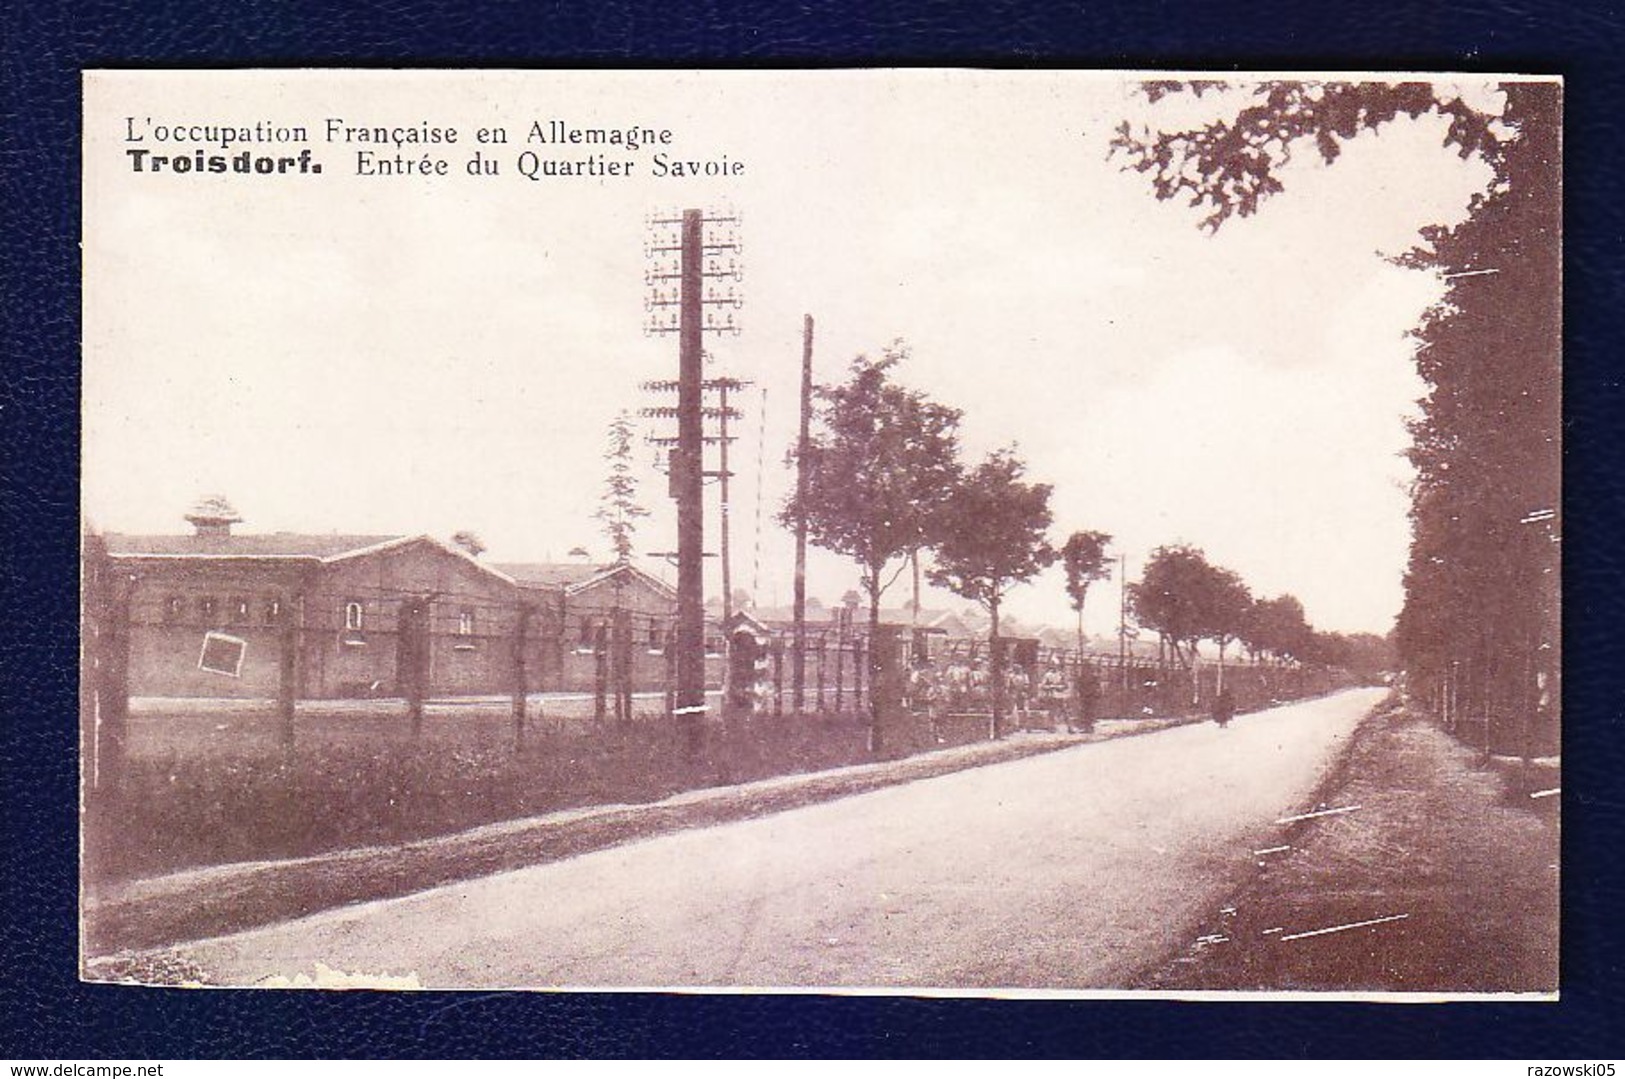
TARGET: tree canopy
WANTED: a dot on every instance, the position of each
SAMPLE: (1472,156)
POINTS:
(993,532)
(1083,556)
(1187,599)
(1277,627)
(883,460)
(992,537)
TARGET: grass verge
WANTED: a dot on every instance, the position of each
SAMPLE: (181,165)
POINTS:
(1444,879)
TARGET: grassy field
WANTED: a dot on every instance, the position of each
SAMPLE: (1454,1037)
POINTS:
(214,784)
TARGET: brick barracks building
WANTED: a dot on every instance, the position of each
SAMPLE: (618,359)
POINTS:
(213,614)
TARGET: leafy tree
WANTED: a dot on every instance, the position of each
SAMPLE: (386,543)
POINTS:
(1277,627)
(881,462)
(993,538)
(618,508)
(1480,624)
(1084,557)
(1187,599)
(1229,603)
(1168,598)
(1230,166)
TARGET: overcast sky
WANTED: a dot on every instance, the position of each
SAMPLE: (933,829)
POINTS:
(403,355)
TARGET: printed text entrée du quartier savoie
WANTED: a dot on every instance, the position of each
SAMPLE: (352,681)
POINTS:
(411,150)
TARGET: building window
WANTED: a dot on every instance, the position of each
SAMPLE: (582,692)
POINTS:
(207,608)
(174,609)
(239,609)
(273,611)
(586,633)
(465,629)
(354,623)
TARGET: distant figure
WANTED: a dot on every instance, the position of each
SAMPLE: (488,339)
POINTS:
(1052,694)
(1224,707)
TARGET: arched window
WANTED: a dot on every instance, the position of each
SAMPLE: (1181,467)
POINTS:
(353,616)
(465,622)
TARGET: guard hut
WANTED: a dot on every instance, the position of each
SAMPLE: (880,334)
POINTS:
(745,684)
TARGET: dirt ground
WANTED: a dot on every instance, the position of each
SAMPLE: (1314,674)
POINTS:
(1444,878)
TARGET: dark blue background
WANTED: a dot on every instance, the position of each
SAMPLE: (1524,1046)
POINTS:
(47,1013)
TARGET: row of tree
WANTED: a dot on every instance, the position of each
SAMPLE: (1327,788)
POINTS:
(1479,633)
(885,485)
(1187,600)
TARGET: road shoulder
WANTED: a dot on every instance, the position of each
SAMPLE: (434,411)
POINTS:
(1426,871)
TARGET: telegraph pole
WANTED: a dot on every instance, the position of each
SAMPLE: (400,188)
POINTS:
(722,479)
(697,260)
(690,489)
(803,447)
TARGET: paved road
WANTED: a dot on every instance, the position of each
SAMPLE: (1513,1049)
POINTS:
(1075,869)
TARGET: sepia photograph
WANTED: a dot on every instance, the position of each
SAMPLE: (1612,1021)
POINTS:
(933,532)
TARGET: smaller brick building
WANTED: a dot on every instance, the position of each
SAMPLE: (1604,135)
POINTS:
(585,603)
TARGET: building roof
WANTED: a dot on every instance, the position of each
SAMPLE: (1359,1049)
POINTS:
(264,545)
(572,576)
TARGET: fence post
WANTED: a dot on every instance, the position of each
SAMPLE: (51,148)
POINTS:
(109,603)
(622,665)
(859,653)
(287,678)
(840,672)
(414,652)
(521,633)
(600,672)
(670,653)
(823,652)
(778,677)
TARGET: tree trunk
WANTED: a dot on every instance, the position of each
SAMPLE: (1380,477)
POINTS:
(876,736)
(996,675)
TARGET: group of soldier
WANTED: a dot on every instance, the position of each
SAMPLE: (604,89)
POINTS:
(1063,693)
